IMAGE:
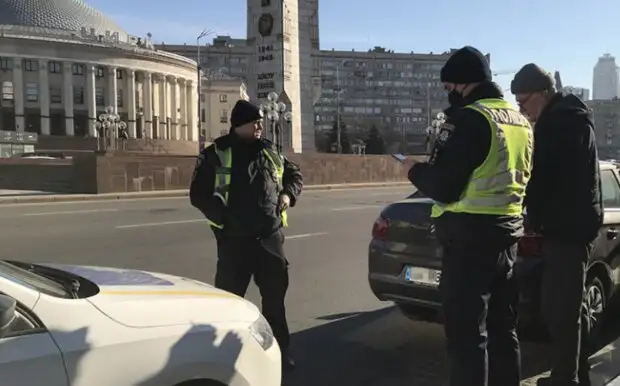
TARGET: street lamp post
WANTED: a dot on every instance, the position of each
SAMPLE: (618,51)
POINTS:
(109,125)
(201,135)
(338,90)
(275,112)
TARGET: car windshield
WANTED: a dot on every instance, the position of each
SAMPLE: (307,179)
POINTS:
(15,274)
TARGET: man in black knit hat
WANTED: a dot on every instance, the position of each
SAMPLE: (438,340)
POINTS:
(243,186)
(564,204)
(477,174)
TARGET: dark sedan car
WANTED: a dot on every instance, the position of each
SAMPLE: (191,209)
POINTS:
(404,259)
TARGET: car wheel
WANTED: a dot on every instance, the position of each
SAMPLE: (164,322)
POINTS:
(595,301)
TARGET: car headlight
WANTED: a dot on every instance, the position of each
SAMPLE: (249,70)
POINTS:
(261,331)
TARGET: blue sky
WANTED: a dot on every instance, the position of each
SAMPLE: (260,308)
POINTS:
(562,35)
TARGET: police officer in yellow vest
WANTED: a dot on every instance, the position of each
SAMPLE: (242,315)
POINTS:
(243,186)
(477,174)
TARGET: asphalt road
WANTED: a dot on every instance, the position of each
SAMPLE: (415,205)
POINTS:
(342,334)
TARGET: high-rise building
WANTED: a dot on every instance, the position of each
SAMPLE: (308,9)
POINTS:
(605,84)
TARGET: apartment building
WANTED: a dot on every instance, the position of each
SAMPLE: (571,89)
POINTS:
(400,93)
(606,116)
(219,93)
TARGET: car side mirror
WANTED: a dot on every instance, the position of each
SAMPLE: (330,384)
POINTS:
(8,314)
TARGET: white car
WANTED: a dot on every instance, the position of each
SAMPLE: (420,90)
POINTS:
(92,326)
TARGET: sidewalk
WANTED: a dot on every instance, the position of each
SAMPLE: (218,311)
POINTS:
(606,366)
(27,197)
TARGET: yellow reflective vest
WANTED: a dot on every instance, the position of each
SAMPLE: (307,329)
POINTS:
(497,186)
(223,175)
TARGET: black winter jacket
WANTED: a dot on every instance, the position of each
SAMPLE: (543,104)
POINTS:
(563,198)
(252,209)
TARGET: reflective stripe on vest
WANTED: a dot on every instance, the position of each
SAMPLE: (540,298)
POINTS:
(224,171)
(497,186)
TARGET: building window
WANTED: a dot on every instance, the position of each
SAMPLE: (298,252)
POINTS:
(78,95)
(6,64)
(54,67)
(119,74)
(224,116)
(7,91)
(223,98)
(99,72)
(55,95)
(99,96)
(77,69)
(119,99)
(203,116)
(32,92)
(31,65)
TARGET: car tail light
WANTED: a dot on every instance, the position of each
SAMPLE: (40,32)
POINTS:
(380,229)
(530,245)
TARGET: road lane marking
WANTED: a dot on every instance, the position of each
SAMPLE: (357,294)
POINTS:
(358,207)
(304,235)
(85,211)
(163,223)
(156,224)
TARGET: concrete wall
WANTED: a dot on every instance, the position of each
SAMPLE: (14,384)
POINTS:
(134,172)
(150,146)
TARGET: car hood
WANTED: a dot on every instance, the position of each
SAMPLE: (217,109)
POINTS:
(146,299)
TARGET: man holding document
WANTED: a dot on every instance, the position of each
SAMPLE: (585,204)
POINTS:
(477,174)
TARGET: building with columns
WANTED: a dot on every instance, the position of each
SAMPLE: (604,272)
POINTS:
(63,64)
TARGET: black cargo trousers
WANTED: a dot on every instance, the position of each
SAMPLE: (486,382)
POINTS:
(562,294)
(239,259)
(480,299)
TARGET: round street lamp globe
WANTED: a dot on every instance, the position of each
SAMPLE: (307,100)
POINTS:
(281,107)
(288,116)
(272,96)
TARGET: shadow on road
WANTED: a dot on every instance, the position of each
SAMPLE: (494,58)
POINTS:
(380,348)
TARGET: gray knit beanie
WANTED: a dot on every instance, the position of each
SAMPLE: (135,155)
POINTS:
(531,78)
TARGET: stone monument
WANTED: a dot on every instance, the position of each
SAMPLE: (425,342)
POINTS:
(282,61)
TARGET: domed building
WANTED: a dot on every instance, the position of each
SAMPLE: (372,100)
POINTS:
(63,63)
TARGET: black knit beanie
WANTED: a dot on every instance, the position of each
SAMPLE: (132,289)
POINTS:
(467,65)
(532,78)
(244,112)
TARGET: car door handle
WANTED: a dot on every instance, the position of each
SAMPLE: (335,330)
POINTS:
(612,233)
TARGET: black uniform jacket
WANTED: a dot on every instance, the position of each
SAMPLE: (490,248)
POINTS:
(563,198)
(461,146)
(252,208)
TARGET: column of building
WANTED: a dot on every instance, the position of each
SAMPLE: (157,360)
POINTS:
(131,103)
(147,103)
(112,88)
(91,100)
(163,108)
(44,97)
(67,78)
(192,111)
(175,131)
(18,94)
(183,107)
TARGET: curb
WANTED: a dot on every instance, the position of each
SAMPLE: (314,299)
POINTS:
(33,199)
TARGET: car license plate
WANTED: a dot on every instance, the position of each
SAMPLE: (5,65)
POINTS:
(422,276)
